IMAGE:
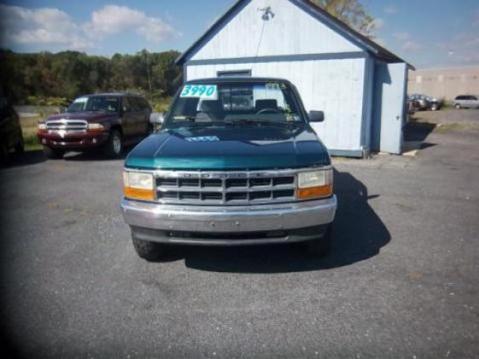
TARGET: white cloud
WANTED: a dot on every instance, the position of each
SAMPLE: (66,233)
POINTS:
(462,48)
(113,19)
(402,36)
(390,9)
(411,45)
(407,42)
(51,27)
(378,24)
(20,25)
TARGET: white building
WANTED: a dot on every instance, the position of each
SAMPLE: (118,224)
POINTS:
(360,86)
(446,83)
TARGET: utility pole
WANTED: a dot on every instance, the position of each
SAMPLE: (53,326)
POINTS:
(148,71)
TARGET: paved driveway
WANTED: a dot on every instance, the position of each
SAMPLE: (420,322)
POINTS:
(402,280)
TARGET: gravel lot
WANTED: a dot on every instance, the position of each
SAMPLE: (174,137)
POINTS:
(401,282)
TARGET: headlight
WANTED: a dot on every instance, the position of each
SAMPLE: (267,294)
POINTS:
(315,184)
(42,126)
(95,127)
(138,185)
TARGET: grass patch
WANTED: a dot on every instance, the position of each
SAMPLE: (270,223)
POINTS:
(29,130)
(31,143)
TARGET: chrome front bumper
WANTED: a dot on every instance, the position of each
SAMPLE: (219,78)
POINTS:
(223,220)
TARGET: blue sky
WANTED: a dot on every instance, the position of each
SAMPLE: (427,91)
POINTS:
(427,33)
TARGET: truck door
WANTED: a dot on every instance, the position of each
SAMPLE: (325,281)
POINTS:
(141,115)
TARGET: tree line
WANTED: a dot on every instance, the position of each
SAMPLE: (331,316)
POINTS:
(60,77)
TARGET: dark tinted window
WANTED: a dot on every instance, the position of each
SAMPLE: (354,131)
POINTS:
(135,106)
(95,103)
(126,104)
(458,98)
(143,105)
(138,104)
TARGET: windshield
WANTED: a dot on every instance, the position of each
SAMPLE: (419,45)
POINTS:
(95,103)
(230,103)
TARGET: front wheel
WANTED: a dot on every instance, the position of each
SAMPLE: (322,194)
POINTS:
(320,247)
(53,153)
(114,145)
(458,106)
(147,250)
(434,107)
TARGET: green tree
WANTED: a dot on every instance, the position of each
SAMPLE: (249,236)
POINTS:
(351,12)
(45,77)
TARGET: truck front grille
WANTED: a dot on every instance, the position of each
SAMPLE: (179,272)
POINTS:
(67,125)
(225,188)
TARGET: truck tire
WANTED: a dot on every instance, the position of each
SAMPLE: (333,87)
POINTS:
(114,146)
(53,153)
(150,251)
(320,247)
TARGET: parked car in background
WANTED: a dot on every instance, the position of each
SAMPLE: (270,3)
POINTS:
(235,163)
(102,121)
(412,106)
(11,137)
(426,103)
(466,101)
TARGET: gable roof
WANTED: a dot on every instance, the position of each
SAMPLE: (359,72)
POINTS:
(337,25)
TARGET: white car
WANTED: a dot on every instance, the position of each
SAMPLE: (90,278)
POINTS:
(466,101)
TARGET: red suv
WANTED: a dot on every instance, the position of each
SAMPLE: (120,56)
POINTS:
(104,121)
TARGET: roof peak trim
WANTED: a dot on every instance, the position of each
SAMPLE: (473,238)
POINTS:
(306,5)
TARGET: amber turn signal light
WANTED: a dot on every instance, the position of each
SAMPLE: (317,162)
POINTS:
(315,192)
(139,194)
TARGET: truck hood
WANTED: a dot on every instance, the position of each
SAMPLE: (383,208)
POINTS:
(89,116)
(230,148)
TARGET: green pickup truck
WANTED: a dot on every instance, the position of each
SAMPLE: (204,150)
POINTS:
(235,162)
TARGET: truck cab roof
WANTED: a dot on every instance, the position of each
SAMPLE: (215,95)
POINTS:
(113,94)
(237,80)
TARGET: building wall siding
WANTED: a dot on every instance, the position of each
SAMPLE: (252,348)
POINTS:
(333,86)
(290,31)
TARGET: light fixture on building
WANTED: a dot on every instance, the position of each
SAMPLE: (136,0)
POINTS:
(268,14)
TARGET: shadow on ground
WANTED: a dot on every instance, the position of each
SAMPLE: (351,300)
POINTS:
(418,132)
(26,159)
(37,156)
(93,156)
(359,235)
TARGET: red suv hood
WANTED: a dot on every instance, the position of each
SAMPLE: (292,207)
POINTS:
(87,116)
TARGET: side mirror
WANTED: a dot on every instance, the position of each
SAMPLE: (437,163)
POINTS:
(157,119)
(316,116)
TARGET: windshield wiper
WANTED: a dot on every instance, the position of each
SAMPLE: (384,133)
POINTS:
(249,121)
